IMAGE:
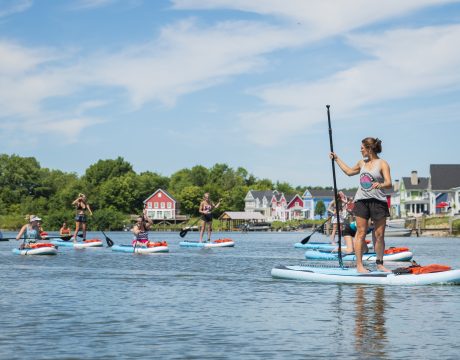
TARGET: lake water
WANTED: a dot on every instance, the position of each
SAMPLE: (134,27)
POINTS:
(217,304)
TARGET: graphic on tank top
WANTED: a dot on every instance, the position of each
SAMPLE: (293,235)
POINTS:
(366,180)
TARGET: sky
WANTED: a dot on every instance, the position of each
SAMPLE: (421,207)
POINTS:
(173,84)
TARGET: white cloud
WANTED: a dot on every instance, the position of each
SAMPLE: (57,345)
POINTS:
(406,63)
(8,8)
(92,4)
(323,18)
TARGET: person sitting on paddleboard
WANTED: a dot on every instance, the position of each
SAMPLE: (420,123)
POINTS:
(206,207)
(141,230)
(370,200)
(30,232)
(349,229)
(64,231)
(81,203)
(332,211)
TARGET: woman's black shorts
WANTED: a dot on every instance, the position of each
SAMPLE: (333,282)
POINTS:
(80,218)
(371,209)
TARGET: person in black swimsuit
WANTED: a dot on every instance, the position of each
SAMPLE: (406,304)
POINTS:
(206,207)
(81,203)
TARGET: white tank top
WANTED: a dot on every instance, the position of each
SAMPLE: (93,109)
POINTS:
(366,178)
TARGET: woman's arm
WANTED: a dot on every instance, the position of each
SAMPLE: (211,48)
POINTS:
(217,205)
(350,171)
(21,232)
(201,209)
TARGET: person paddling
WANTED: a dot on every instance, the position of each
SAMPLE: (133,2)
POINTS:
(81,203)
(141,230)
(64,231)
(370,201)
(206,207)
(30,232)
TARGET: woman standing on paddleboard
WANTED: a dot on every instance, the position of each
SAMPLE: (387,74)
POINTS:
(81,203)
(206,206)
(370,201)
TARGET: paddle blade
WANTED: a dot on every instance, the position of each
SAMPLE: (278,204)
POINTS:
(307,239)
(80,235)
(66,238)
(107,240)
(183,233)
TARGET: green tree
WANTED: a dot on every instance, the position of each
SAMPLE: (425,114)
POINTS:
(320,208)
(104,170)
(189,199)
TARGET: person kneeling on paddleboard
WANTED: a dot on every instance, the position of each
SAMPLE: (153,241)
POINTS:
(141,230)
(370,200)
(30,232)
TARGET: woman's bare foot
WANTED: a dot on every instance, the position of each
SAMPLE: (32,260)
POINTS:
(382,268)
(362,269)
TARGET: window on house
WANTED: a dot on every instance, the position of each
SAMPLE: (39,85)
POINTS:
(169,205)
(155,205)
(149,205)
(159,214)
(160,195)
(162,205)
(297,204)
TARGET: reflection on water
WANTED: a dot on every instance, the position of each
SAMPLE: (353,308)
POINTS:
(370,332)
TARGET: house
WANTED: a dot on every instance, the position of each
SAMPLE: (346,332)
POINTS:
(444,188)
(233,220)
(414,195)
(311,197)
(161,206)
(273,205)
(259,201)
(394,199)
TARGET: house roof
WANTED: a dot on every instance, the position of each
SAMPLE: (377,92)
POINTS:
(444,176)
(260,194)
(422,183)
(242,215)
(164,192)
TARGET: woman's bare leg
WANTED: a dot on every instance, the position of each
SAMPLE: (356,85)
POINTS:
(77,228)
(379,233)
(360,240)
(209,231)
(334,230)
(203,225)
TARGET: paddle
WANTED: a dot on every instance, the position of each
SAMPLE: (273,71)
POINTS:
(336,196)
(109,241)
(307,239)
(188,228)
(45,238)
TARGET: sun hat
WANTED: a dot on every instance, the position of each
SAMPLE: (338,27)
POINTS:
(35,218)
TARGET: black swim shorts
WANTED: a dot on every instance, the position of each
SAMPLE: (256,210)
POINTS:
(371,209)
(80,218)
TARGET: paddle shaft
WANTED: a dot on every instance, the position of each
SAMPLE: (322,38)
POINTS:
(185,231)
(107,239)
(44,238)
(336,196)
(307,239)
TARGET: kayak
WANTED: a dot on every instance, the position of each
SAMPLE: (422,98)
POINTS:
(337,275)
(79,245)
(153,247)
(37,249)
(404,255)
(213,244)
(324,246)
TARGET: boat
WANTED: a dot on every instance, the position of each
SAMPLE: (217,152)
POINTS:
(90,243)
(396,232)
(153,247)
(324,246)
(396,223)
(37,249)
(392,254)
(213,244)
(348,275)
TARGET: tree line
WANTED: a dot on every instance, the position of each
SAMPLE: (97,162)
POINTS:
(115,190)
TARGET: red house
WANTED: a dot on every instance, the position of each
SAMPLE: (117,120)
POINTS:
(161,206)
